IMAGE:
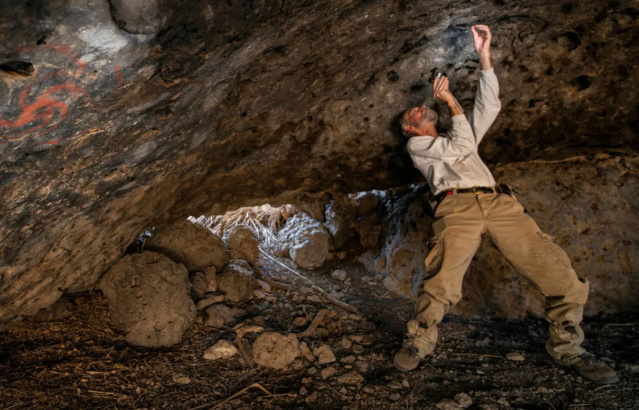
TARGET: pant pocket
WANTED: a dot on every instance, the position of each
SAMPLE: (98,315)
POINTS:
(556,249)
(434,257)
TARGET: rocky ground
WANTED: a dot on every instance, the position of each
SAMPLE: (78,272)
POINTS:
(82,362)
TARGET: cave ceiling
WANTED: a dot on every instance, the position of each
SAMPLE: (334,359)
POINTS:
(118,115)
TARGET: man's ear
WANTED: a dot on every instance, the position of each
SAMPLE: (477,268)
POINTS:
(409,129)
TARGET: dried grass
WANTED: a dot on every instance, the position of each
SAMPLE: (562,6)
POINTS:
(265,221)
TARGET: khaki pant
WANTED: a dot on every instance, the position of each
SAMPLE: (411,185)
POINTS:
(461,220)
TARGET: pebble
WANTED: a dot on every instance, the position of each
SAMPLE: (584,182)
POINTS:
(265,286)
(464,400)
(303,391)
(339,274)
(394,396)
(357,349)
(515,357)
(356,338)
(328,372)
(405,383)
(448,404)
(346,343)
(633,368)
(312,371)
(298,364)
(368,390)
(306,351)
(350,378)
(300,321)
(180,378)
(221,350)
(362,366)
(324,354)
(395,385)
(348,359)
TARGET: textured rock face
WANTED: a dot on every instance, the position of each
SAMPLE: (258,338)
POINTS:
(587,205)
(149,299)
(105,132)
(275,350)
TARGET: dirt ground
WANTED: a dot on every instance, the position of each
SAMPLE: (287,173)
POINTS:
(83,362)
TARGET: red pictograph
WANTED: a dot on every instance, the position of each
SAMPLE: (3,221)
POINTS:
(44,103)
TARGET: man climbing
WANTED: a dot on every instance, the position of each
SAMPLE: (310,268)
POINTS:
(469,205)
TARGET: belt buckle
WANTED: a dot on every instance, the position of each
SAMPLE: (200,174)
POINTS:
(475,190)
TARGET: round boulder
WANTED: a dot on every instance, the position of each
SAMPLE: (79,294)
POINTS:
(243,244)
(149,299)
(237,281)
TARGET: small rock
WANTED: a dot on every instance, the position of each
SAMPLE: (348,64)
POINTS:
(328,372)
(237,281)
(362,366)
(300,321)
(633,368)
(221,350)
(394,396)
(221,315)
(515,357)
(303,391)
(395,385)
(243,244)
(298,364)
(448,404)
(348,359)
(356,338)
(312,371)
(369,390)
(357,349)
(346,344)
(275,350)
(324,354)
(265,286)
(350,378)
(306,351)
(179,378)
(405,383)
(258,294)
(464,400)
(339,274)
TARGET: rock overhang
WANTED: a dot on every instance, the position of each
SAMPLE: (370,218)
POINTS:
(120,123)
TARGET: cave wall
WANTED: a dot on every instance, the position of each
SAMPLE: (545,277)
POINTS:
(587,204)
(115,116)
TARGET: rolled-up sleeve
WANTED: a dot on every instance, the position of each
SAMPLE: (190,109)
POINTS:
(460,142)
(487,103)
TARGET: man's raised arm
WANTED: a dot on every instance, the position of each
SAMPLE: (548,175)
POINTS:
(487,104)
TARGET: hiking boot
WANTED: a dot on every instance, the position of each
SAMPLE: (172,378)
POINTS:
(407,359)
(590,368)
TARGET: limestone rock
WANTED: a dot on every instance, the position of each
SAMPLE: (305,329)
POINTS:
(339,274)
(324,354)
(221,315)
(140,16)
(305,240)
(149,299)
(221,350)
(340,214)
(350,378)
(243,244)
(63,308)
(189,244)
(275,350)
(237,281)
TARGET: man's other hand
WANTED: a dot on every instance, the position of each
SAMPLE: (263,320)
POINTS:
(441,91)
(443,94)
(481,41)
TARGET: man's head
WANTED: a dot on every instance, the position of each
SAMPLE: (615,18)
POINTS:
(419,121)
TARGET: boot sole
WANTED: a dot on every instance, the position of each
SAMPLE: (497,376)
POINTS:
(405,368)
(603,381)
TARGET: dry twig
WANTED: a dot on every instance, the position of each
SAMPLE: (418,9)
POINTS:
(220,403)
(315,324)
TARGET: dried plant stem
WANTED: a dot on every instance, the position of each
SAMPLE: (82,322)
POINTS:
(315,324)
(244,390)
(345,306)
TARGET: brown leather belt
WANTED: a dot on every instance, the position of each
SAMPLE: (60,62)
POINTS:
(501,189)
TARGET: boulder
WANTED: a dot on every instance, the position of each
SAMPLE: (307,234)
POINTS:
(237,281)
(203,282)
(195,247)
(149,299)
(243,244)
(275,350)
(305,240)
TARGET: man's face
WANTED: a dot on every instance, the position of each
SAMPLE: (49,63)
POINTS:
(419,116)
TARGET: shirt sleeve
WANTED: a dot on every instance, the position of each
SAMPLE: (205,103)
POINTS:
(460,142)
(487,103)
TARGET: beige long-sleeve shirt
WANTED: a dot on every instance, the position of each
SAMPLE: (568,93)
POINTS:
(451,160)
